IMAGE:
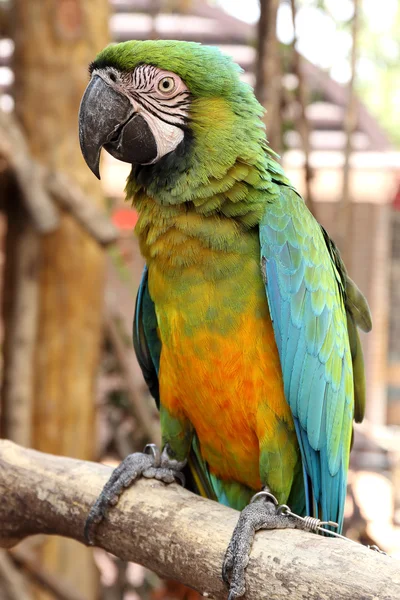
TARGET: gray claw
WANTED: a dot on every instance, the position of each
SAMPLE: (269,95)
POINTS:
(154,450)
(261,514)
(151,464)
(180,478)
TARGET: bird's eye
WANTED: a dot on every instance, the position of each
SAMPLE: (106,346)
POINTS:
(166,85)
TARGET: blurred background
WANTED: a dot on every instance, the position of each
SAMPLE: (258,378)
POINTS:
(328,72)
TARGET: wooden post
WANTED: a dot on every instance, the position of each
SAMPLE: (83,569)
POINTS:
(344,218)
(54,42)
(302,124)
(268,72)
(19,312)
(377,358)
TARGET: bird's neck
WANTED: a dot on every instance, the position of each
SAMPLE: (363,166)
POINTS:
(217,218)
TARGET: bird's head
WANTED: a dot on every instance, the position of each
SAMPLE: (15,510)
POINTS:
(151,102)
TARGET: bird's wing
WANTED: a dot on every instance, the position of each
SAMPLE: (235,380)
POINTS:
(315,308)
(146,342)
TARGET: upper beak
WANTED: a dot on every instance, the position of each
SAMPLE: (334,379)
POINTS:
(107,118)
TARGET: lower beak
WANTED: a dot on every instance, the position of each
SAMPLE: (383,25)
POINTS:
(108,119)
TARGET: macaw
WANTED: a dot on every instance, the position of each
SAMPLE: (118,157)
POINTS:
(246,319)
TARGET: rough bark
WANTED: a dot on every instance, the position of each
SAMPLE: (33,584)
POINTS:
(180,535)
(54,42)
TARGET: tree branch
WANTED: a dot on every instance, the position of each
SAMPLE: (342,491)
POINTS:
(39,187)
(28,174)
(180,535)
(57,586)
(70,196)
(11,580)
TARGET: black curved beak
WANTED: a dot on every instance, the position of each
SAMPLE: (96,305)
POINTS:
(108,119)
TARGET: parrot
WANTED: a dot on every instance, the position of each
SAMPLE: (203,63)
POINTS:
(246,320)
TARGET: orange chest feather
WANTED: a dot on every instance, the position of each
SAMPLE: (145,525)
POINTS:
(220,369)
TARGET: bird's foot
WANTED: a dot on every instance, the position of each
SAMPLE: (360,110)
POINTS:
(150,463)
(263,512)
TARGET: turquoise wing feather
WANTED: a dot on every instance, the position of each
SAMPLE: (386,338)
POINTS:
(306,290)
